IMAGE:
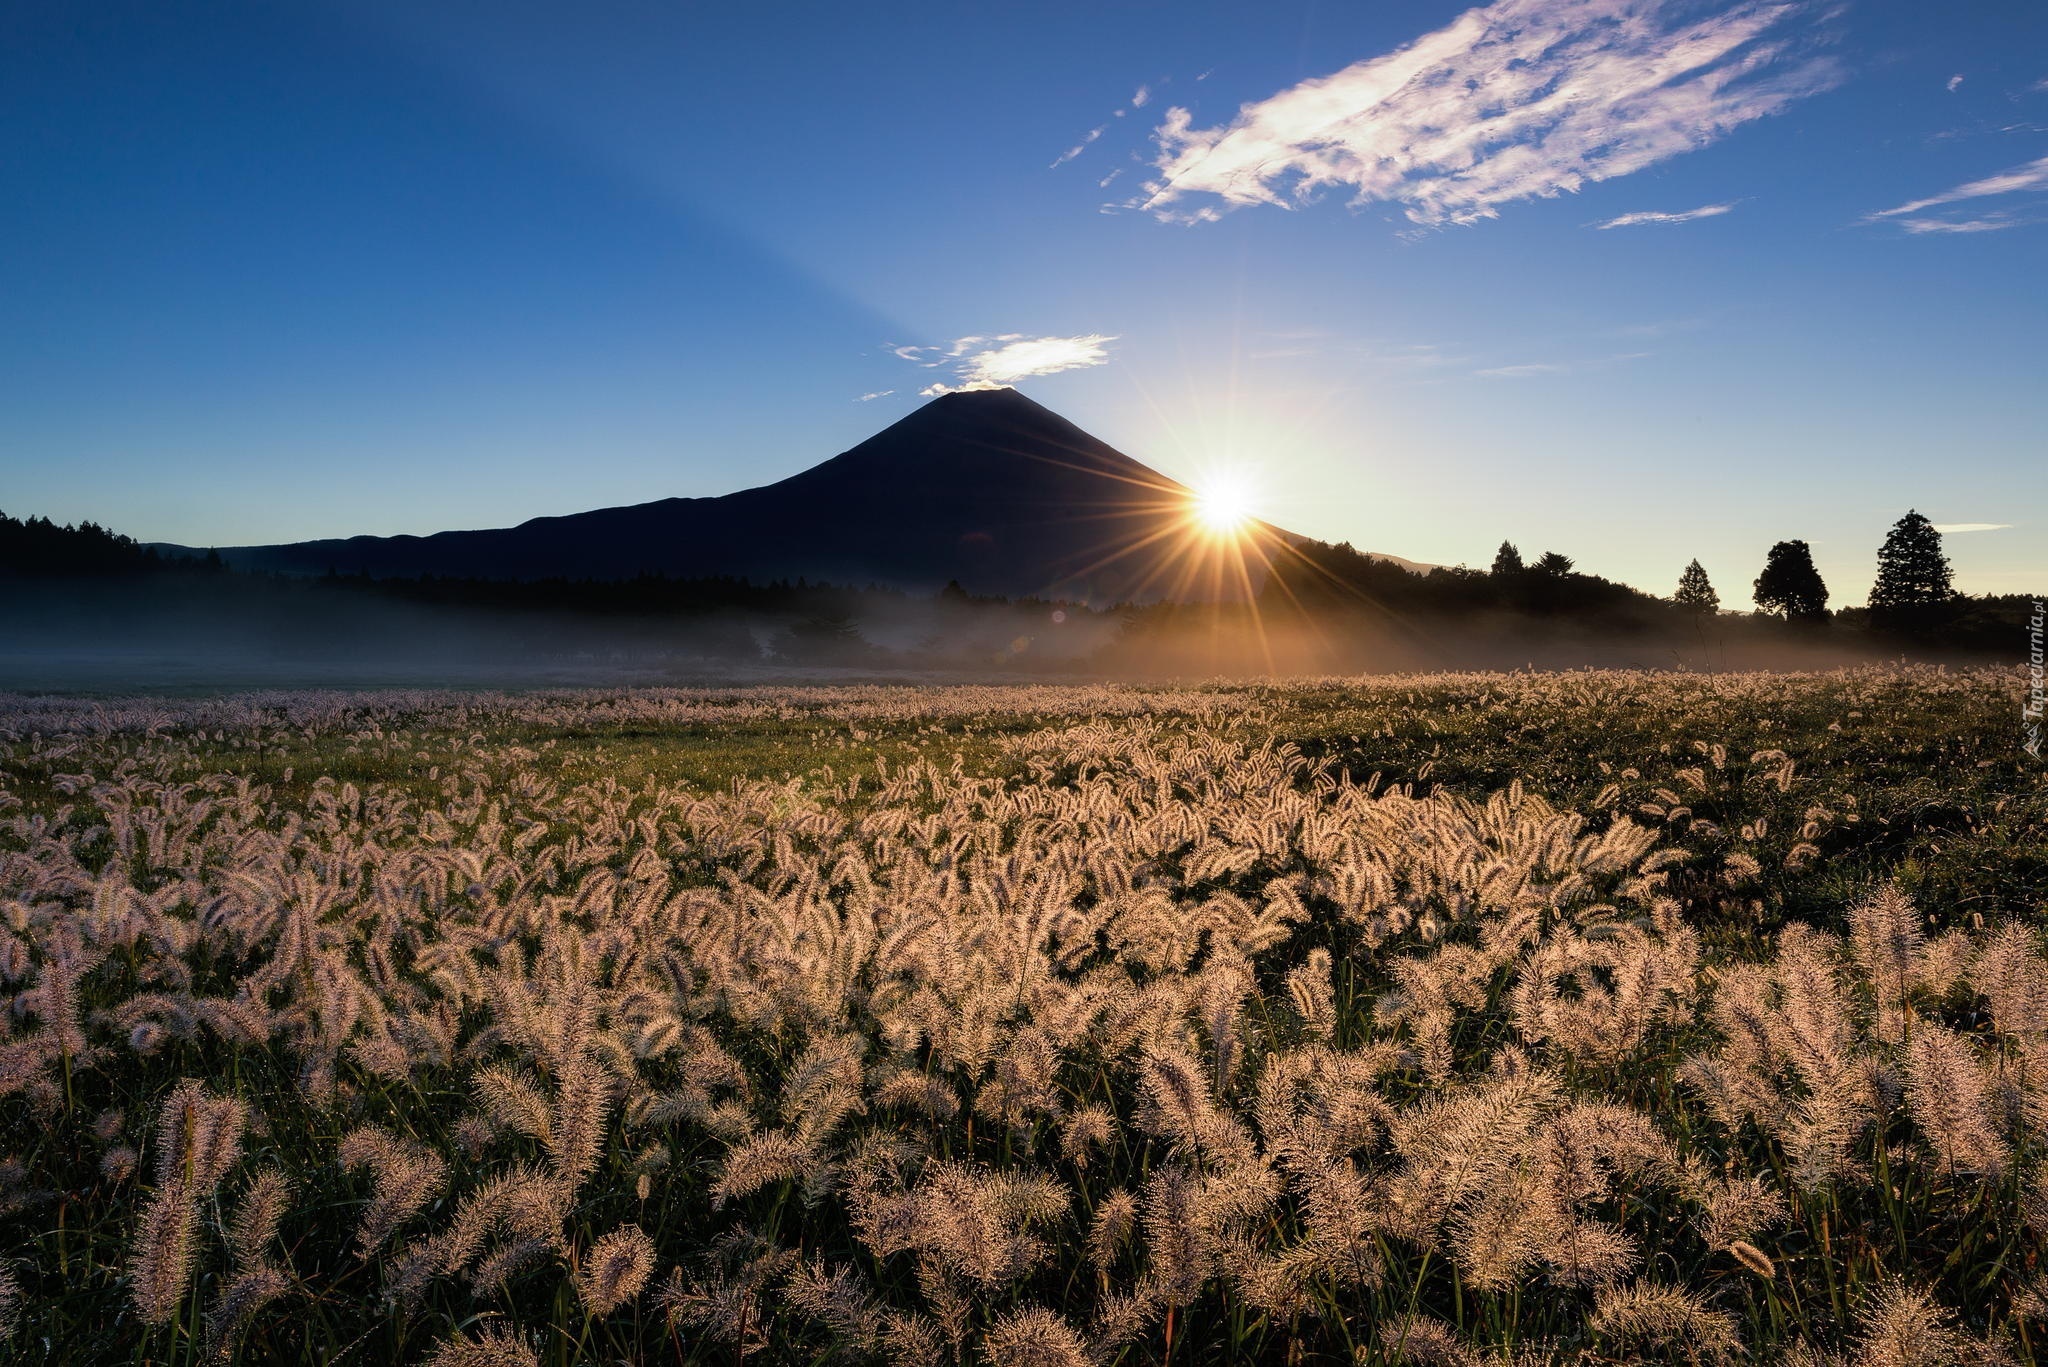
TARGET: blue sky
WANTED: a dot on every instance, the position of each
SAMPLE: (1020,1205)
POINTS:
(275,272)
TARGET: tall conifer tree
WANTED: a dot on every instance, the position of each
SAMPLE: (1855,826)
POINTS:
(1913,589)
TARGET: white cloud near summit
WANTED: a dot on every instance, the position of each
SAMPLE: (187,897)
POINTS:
(1520,98)
(993,362)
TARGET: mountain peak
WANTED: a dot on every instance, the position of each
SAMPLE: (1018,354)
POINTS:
(994,399)
(984,486)
(986,392)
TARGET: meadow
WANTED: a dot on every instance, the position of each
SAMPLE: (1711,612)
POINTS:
(1519,1018)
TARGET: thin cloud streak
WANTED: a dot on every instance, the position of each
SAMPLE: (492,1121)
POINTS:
(996,362)
(1139,99)
(1078,148)
(1531,369)
(1518,372)
(2032,177)
(1947,527)
(1994,223)
(1657,216)
(1519,99)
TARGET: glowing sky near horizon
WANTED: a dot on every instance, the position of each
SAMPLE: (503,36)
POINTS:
(1632,281)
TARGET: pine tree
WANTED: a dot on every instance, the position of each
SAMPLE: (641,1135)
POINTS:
(1790,586)
(1695,593)
(1913,590)
(1507,560)
(1555,564)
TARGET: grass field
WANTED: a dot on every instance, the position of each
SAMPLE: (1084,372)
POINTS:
(1579,1018)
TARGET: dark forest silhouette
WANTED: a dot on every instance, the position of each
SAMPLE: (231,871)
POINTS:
(36,547)
(1322,607)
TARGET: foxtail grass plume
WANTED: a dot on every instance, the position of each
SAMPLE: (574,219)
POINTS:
(1667,1320)
(614,1269)
(1754,1258)
(497,1346)
(1035,1337)
(198,1138)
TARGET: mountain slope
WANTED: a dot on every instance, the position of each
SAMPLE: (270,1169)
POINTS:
(986,487)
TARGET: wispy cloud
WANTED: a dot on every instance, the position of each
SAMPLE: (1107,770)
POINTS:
(1946,527)
(1393,358)
(1078,148)
(878,394)
(1518,372)
(1531,369)
(1643,216)
(2027,179)
(1991,223)
(993,362)
(1520,98)
(1139,99)
(1954,81)
(2032,176)
(1661,327)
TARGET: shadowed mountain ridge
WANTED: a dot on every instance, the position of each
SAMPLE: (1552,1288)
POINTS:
(986,487)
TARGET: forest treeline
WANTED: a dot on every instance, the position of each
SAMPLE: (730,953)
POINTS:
(1323,607)
(39,548)
(1912,607)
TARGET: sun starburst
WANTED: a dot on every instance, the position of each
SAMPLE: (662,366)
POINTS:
(1225,503)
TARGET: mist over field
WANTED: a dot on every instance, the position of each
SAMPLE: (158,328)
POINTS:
(112,639)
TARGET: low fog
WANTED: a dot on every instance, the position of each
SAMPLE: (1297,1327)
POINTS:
(58,635)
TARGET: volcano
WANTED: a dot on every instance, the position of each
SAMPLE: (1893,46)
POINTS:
(985,488)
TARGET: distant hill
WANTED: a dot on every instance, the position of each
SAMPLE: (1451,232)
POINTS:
(983,487)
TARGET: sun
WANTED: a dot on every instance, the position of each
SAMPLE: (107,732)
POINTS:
(1224,503)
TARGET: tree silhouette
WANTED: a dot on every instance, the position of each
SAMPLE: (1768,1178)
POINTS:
(1507,560)
(1695,592)
(1554,564)
(38,547)
(1790,586)
(1913,590)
